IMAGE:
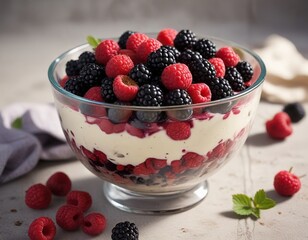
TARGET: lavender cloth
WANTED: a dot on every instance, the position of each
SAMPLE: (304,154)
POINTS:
(39,136)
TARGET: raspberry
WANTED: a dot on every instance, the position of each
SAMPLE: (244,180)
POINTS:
(178,130)
(199,93)
(279,127)
(185,39)
(80,199)
(125,88)
(94,94)
(167,36)
(106,50)
(295,111)
(123,38)
(228,55)
(142,169)
(108,127)
(192,160)
(59,184)
(125,231)
(42,228)
(94,224)
(69,217)
(63,81)
(176,76)
(219,66)
(286,183)
(119,65)
(135,40)
(38,196)
(133,56)
(145,48)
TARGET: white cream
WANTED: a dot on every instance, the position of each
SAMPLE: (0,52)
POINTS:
(125,149)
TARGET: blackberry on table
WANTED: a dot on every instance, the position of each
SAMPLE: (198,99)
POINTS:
(202,71)
(92,74)
(141,74)
(160,59)
(185,39)
(86,58)
(123,38)
(220,88)
(107,90)
(125,231)
(149,95)
(72,68)
(235,79)
(245,69)
(206,48)
(295,111)
(76,86)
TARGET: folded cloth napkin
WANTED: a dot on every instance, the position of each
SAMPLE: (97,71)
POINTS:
(29,132)
(287,71)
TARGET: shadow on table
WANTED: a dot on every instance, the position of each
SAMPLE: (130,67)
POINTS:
(260,140)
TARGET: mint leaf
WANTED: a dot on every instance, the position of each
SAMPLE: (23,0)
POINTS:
(241,204)
(93,42)
(17,123)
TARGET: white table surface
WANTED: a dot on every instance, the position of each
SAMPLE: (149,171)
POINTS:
(24,78)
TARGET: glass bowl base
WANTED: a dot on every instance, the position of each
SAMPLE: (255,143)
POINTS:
(133,202)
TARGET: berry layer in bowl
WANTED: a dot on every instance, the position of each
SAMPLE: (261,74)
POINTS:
(156,149)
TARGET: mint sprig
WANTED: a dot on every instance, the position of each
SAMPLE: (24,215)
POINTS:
(245,206)
(93,42)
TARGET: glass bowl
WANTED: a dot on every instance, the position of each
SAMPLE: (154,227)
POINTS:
(144,169)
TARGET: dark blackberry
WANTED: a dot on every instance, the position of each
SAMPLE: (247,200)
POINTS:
(141,74)
(160,59)
(185,39)
(76,86)
(220,88)
(85,58)
(177,97)
(107,90)
(202,70)
(188,56)
(149,95)
(295,110)
(92,74)
(235,79)
(123,38)
(148,116)
(176,52)
(245,69)
(72,68)
(125,231)
(206,48)
(119,115)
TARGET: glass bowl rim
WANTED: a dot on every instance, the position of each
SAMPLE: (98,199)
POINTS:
(226,100)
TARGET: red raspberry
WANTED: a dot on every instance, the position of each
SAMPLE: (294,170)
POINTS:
(42,228)
(157,163)
(228,55)
(119,65)
(167,36)
(219,66)
(69,217)
(125,88)
(106,50)
(199,93)
(176,76)
(145,48)
(108,127)
(94,224)
(178,130)
(131,54)
(63,81)
(192,160)
(142,169)
(177,166)
(280,126)
(59,184)
(286,183)
(38,196)
(135,40)
(80,199)
(94,93)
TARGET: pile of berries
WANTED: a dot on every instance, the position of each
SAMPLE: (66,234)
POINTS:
(175,68)
(72,215)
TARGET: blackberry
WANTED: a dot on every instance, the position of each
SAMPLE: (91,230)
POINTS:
(149,95)
(176,52)
(220,88)
(119,115)
(188,56)
(76,86)
(177,97)
(92,74)
(245,69)
(85,58)
(185,39)
(160,59)
(125,231)
(295,110)
(123,38)
(202,70)
(141,74)
(72,68)
(206,48)
(235,79)
(107,90)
